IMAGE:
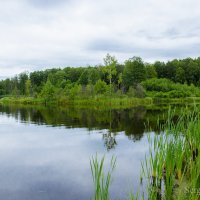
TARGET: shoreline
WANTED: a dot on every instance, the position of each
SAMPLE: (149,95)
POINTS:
(125,102)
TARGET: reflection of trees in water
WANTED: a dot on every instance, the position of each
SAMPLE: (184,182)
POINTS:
(135,137)
(131,121)
(109,140)
(135,123)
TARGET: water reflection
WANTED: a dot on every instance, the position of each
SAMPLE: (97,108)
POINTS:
(109,140)
(44,162)
(131,121)
(45,152)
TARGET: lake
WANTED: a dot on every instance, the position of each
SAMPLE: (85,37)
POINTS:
(45,152)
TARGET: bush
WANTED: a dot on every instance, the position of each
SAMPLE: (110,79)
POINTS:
(165,88)
(100,87)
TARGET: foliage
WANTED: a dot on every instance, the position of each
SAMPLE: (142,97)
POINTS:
(23,77)
(75,91)
(28,87)
(110,68)
(134,72)
(174,79)
(165,88)
(48,92)
(150,71)
(100,87)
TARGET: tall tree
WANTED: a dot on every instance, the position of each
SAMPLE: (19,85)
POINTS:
(28,87)
(180,75)
(110,68)
(134,72)
(160,69)
(48,91)
(23,77)
(150,71)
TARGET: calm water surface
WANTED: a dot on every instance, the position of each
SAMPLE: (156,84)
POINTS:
(45,152)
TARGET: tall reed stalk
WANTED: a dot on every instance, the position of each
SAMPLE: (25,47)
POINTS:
(173,164)
(101,179)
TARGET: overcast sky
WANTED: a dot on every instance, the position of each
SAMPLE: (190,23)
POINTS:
(38,34)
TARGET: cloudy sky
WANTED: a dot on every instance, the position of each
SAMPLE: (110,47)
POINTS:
(38,34)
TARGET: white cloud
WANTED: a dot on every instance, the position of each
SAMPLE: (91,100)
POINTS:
(37,34)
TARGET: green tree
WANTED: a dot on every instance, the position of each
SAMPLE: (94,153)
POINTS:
(83,79)
(59,78)
(110,68)
(75,91)
(160,69)
(15,85)
(28,87)
(38,79)
(73,74)
(48,92)
(93,75)
(100,87)
(134,72)
(180,75)
(119,80)
(23,77)
(150,71)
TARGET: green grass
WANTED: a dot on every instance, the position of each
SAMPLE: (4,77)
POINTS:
(188,100)
(97,101)
(101,180)
(22,100)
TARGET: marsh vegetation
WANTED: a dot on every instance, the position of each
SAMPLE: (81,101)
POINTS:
(171,169)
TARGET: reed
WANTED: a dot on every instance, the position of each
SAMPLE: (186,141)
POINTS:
(173,161)
(101,179)
(172,166)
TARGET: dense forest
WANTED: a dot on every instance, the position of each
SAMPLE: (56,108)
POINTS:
(133,78)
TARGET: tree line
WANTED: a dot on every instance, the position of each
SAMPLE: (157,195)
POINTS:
(136,78)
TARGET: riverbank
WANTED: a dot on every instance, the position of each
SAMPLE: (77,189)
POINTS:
(88,102)
(115,102)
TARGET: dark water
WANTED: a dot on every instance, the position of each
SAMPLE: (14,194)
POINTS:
(45,152)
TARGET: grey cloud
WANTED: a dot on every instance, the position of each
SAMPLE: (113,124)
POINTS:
(47,3)
(49,33)
(146,52)
(169,33)
(175,33)
(178,52)
(108,45)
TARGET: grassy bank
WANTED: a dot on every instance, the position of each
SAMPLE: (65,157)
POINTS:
(89,102)
(99,101)
(186,100)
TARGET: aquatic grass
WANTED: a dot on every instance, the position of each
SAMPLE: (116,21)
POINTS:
(131,196)
(101,180)
(173,159)
(172,165)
